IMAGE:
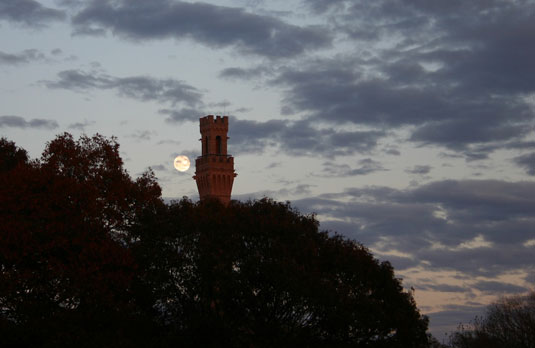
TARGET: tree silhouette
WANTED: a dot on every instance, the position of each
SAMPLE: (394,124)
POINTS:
(11,156)
(90,257)
(65,272)
(508,322)
(260,274)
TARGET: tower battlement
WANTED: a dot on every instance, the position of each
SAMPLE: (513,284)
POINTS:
(209,122)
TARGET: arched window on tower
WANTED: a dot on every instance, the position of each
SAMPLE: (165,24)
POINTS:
(218,144)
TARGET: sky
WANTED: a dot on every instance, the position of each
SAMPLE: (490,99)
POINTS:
(406,125)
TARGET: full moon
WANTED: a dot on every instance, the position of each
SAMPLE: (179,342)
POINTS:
(181,163)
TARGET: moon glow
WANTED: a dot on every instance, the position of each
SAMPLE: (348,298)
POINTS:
(181,163)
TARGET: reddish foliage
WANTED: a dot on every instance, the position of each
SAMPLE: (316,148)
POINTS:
(62,221)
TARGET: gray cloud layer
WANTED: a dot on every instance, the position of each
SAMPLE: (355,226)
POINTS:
(437,222)
(453,73)
(23,57)
(447,116)
(136,87)
(527,162)
(28,12)
(299,138)
(475,228)
(81,126)
(20,122)
(419,169)
(295,138)
(365,166)
(215,26)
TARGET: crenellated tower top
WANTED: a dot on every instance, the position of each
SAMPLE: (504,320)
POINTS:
(214,135)
(211,122)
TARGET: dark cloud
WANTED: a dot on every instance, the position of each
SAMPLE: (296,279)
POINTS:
(478,227)
(71,4)
(487,262)
(23,57)
(495,287)
(482,151)
(20,122)
(242,110)
(159,167)
(168,141)
(419,169)
(492,200)
(522,145)
(222,104)
(442,288)
(142,88)
(527,162)
(81,126)
(211,25)
(320,6)
(392,151)
(457,134)
(442,116)
(471,156)
(28,12)
(254,136)
(364,167)
(297,190)
(298,138)
(236,73)
(335,91)
(397,226)
(142,135)
(456,73)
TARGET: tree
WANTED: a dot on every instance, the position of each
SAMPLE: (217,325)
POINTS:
(10,155)
(65,271)
(90,257)
(259,274)
(508,322)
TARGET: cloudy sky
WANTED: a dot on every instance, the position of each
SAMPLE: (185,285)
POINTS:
(408,125)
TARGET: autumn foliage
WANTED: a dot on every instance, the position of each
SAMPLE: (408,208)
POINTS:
(90,257)
(62,220)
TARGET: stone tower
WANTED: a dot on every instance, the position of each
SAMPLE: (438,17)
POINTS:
(214,170)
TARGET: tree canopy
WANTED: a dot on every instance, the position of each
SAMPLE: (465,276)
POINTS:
(64,272)
(91,257)
(508,322)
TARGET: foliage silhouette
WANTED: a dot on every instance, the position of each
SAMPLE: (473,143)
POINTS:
(90,257)
(261,274)
(508,322)
(11,156)
(64,272)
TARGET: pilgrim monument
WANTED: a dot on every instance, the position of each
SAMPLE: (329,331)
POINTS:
(214,169)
